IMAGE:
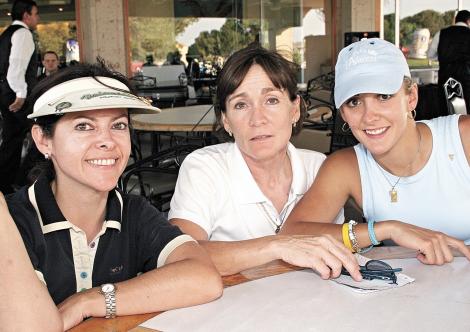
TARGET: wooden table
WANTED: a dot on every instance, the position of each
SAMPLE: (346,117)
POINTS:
(196,118)
(126,323)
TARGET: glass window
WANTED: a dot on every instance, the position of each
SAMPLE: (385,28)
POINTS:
(57,30)
(179,31)
(389,20)
(207,31)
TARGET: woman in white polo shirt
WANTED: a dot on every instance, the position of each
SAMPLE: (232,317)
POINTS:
(234,197)
(100,252)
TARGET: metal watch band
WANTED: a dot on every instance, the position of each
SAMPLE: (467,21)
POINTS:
(110,300)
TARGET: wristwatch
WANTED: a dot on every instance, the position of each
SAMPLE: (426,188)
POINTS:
(109,292)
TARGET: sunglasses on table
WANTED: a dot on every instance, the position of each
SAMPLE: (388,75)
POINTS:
(376,269)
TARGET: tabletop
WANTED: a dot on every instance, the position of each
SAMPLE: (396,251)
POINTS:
(196,118)
(402,298)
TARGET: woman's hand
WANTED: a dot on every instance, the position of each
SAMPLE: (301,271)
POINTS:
(323,253)
(434,247)
(80,306)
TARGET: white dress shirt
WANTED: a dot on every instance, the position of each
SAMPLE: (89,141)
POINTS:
(22,48)
(432,51)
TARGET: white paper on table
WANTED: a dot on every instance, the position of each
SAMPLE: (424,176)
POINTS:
(439,300)
(370,286)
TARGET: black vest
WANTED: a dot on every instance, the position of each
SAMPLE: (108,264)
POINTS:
(454,45)
(5,49)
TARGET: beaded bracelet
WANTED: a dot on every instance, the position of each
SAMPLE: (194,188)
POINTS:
(353,239)
(352,235)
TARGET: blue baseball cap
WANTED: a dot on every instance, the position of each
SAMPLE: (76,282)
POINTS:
(369,66)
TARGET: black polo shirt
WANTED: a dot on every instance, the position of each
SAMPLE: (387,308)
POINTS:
(135,238)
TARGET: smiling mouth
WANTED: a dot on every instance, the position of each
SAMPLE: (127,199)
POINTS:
(376,131)
(102,162)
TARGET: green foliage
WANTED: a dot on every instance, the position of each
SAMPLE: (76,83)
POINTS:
(232,36)
(430,19)
(389,27)
(53,36)
(155,35)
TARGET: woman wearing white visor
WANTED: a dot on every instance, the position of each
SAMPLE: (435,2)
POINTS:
(100,252)
(411,179)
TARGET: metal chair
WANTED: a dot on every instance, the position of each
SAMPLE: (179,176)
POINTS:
(454,97)
(154,177)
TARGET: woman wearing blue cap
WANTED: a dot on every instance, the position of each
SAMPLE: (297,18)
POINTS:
(98,251)
(411,179)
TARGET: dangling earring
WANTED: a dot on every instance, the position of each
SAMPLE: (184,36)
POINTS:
(229,133)
(413,114)
(345,127)
(294,124)
(46,156)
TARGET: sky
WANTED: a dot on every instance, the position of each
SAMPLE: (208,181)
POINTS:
(411,7)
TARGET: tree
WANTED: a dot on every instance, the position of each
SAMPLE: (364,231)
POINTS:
(155,35)
(430,19)
(53,36)
(233,35)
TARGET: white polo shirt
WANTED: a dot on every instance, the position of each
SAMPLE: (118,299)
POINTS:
(216,190)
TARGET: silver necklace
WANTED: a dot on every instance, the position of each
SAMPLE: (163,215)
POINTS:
(393,192)
(282,217)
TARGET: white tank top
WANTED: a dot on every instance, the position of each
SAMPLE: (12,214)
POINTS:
(437,197)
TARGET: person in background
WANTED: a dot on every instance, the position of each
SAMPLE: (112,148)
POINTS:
(50,61)
(234,197)
(18,71)
(451,46)
(100,252)
(411,179)
(24,300)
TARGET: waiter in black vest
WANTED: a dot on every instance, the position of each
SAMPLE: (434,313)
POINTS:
(452,47)
(18,71)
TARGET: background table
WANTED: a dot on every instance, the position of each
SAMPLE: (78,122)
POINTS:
(187,119)
(441,310)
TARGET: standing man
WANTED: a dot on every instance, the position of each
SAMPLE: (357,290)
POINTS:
(18,70)
(50,61)
(451,46)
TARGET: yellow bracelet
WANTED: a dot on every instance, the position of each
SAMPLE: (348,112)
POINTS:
(346,240)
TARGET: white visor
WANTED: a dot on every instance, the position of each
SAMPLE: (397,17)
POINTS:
(86,93)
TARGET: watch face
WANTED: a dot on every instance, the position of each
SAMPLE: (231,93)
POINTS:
(107,288)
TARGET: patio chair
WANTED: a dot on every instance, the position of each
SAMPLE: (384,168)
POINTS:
(454,97)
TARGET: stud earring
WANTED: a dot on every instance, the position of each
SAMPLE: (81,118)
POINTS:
(229,133)
(46,156)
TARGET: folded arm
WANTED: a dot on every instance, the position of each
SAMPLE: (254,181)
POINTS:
(322,253)
(187,278)
(337,180)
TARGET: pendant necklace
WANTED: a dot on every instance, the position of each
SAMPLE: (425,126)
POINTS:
(282,217)
(393,192)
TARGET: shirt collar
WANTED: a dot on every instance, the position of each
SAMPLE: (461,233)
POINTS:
(245,186)
(51,218)
(462,24)
(18,22)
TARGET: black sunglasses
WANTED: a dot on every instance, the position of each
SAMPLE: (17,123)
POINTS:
(376,269)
